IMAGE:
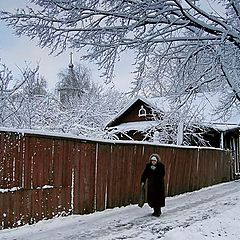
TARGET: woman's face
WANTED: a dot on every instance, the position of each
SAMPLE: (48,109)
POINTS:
(154,162)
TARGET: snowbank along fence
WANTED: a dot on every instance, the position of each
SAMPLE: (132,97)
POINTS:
(44,176)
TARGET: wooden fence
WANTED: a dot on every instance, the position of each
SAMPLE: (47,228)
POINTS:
(42,176)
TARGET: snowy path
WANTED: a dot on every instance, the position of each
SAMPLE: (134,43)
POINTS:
(196,210)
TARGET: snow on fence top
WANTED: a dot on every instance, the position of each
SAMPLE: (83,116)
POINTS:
(83,138)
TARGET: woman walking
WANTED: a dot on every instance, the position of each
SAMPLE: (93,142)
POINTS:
(154,173)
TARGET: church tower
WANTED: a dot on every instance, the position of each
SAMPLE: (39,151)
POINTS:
(69,88)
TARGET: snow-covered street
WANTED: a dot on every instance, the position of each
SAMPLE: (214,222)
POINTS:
(209,213)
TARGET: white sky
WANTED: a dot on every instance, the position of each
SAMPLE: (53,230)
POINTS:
(210,213)
(15,51)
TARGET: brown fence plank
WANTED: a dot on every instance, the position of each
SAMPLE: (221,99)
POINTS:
(172,189)
(135,178)
(7,159)
(128,170)
(67,163)
(58,147)
(19,207)
(138,165)
(36,162)
(76,177)
(166,156)
(103,161)
(18,154)
(2,174)
(114,177)
(27,172)
(193,177)
(111,179)
(202,168)
(84,178)
(123,176)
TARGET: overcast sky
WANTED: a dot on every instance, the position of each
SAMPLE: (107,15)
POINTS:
(15,51)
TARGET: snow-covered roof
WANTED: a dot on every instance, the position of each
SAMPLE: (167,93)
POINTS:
(140,126)
(132,102)
(224,127)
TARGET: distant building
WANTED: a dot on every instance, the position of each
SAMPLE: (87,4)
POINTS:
(69,87)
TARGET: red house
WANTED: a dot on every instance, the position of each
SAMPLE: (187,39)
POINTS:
(140,120)
(135,120)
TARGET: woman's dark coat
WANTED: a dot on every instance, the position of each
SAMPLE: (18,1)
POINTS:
(155,187)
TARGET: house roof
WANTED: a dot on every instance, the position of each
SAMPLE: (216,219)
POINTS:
(128,108)
(204,104)
(141,126)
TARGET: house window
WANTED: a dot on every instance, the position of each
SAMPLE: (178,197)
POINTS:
(142,112)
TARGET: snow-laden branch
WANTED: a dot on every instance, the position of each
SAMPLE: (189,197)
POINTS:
(122,19)
(109,28)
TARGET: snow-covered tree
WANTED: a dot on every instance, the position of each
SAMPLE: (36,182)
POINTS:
(90,116)
(184,33)
(26,103)
(29,96)
(86,105)
(30,104)
(5,93)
